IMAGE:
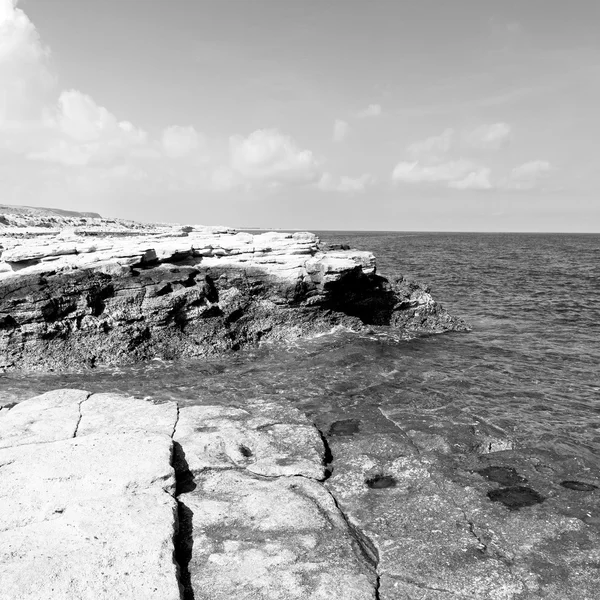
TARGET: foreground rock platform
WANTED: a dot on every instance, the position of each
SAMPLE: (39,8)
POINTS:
(105,497)
(79,291)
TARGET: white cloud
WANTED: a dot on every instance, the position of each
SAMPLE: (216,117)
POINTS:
(414,172)
(489,137)
(432,146)
(85,133)
(475,180)
(80,118)
(25,79)
(178,142)
(272,158)
(340,130)
(373,110)
(528,175)
(84,145)
(329,183)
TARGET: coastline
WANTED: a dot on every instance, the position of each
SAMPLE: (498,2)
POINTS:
(252,495)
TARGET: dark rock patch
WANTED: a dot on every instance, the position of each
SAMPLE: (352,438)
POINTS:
(380,482)
(579,486)
(503,475)
(344,427)
(516,497)
(8,322)
(245,451)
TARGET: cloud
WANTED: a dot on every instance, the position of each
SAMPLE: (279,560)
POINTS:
(25,78)
(459,174)
(528,175)
(83,144)
(340,130)
(489,137)
(373,110)
(85,133)
(273,158)
(475,180)
(414,172)
(329,183)
(433,158)
(178,142)
(432,146)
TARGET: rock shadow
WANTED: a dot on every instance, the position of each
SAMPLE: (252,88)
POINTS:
(184,539)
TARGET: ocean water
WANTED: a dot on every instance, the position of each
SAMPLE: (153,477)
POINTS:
(530,367)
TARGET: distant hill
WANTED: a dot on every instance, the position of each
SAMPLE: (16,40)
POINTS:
(37,211)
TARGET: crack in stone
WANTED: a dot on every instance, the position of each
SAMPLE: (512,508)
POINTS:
(327,456)
(183,540)
(176,422)
(408,438)
(366,545)
(483,544)
(80,414)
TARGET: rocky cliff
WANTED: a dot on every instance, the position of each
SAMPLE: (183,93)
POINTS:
(80,291)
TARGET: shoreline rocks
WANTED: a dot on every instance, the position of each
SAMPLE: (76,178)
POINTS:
(104,496)
(79,292)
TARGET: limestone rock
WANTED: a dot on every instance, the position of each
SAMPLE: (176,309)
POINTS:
(46,418)
(87,513)
(112,413)
(265,539)
(439,535)
(94,549)
(265,439)
(81,291)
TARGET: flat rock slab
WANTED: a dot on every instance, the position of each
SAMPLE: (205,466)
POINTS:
(38,480)
(110,548)
(111,413)
(263,438)
(46,418)
(91,516)
(281,538)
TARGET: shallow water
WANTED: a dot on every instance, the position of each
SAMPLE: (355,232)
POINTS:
(530,366)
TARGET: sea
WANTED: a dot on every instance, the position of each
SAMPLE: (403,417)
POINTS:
(529,367)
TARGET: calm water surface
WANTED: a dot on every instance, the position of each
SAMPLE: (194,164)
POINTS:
(531,364)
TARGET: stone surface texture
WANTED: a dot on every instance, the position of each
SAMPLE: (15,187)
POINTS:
(105,497)
(86,515)
(79,291)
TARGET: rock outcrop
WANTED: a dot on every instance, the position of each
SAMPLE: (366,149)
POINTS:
(108,497)
(80,291)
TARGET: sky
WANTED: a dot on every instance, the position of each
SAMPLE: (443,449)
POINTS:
(470,115)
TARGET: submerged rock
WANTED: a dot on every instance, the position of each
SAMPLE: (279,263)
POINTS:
(78,292)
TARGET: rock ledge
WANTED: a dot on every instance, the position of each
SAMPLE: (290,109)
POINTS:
(79,292)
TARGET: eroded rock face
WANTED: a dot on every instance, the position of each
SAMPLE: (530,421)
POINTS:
(81,292)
